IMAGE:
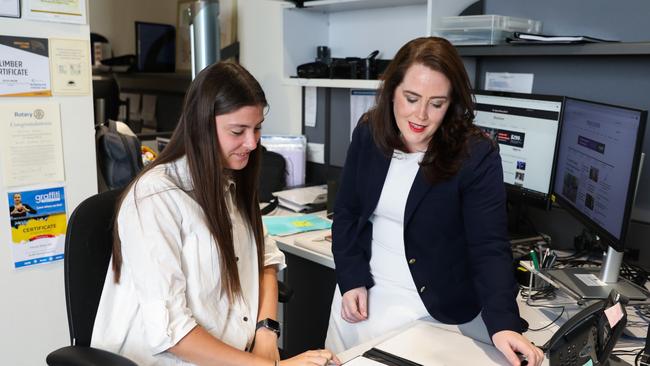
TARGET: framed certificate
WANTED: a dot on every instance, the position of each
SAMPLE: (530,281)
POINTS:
(10,8)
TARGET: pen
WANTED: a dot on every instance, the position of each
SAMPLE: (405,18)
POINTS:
(533,257)
(546,258)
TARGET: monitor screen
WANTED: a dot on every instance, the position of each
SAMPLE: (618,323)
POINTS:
(597,165)
(526,127)
(155,47)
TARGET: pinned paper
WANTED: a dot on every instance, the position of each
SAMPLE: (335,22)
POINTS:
(614,314)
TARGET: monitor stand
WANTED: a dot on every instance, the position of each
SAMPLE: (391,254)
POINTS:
(592,283)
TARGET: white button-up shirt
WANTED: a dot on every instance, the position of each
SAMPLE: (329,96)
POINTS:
(170,280)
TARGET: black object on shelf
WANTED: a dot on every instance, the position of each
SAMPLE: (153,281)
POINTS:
(368,68)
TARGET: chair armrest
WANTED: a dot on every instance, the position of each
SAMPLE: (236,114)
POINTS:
(86,356)
(284,292)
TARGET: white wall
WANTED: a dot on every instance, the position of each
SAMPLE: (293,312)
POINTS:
(33,320)
(260,37)
(115,19)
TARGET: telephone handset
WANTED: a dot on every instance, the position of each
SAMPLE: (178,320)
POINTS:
(587,336)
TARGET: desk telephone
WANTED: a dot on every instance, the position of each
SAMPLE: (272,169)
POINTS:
(587,338)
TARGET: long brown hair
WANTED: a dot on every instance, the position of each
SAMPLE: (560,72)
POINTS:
(447,147)
(219,89)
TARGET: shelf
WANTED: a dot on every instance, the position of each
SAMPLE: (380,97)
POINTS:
(587,49)
(157,83)
(333,83)
(332,6)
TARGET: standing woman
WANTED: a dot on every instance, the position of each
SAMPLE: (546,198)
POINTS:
(192,271)
(420,228)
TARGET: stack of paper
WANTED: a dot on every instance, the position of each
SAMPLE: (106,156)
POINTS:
(302,199)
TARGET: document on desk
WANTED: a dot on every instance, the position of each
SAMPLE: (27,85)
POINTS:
(362,361)
(426,344)
(320,242)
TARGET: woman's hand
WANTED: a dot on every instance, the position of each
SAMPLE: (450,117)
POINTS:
(320,357)
(509,342)
(355,305)
(266,344)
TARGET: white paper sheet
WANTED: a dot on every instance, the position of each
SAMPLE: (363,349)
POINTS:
(31,141)
(361,100)
(24,67)
(310,106)
(70,66)
(429,345)
(316,152)
(509,82)
(10,8)
(362,361)
(62,11)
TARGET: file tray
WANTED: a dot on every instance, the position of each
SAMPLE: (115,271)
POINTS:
(483,29)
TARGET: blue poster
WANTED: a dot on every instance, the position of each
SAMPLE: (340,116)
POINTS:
(38,226)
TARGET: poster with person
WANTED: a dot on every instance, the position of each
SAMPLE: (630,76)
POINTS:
(38,226)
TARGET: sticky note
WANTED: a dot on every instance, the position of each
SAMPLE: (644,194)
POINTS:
(302,223)
(614,314)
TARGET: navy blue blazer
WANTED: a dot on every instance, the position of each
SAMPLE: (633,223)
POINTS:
(455,233)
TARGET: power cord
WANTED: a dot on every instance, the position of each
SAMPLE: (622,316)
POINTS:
(547,293)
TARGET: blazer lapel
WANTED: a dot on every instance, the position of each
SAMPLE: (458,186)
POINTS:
(418,191)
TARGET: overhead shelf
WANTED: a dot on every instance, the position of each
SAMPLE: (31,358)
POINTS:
(334,83)
(332,6)
(587,49)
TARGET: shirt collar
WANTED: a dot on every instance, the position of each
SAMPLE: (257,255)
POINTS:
(182,173)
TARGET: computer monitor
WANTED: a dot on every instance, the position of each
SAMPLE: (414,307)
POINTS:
(596,175)
(155,47)
(526,127)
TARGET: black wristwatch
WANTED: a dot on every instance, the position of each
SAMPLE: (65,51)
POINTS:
(269,324)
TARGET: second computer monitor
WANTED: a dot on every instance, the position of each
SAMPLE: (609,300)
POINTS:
(597,165)
(526,127)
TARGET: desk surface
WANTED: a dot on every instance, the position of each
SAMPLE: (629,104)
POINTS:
(538,314)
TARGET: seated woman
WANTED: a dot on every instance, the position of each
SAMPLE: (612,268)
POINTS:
(193,279)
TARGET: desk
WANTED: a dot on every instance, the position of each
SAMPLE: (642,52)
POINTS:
(311,276)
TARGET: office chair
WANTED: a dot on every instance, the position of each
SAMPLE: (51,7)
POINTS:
(273,174)
(88,244)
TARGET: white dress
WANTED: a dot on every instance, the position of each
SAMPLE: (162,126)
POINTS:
(393,301)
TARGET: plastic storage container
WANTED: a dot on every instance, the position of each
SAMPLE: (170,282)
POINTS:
(483,29)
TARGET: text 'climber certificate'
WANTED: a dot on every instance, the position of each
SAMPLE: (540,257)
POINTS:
(31,146)
(24,67)
(38,226)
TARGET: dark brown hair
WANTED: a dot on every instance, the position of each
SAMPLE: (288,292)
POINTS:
(447,147)
(219,89)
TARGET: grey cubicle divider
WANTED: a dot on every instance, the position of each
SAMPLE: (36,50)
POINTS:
(336,107)
(623,80)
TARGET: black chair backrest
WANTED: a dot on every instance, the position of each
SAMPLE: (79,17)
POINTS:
(88,244)
(119,158)
(273,175)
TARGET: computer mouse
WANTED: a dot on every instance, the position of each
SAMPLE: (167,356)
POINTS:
(524,324)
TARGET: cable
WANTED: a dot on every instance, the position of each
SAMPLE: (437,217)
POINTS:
(547,293)
(552,322)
